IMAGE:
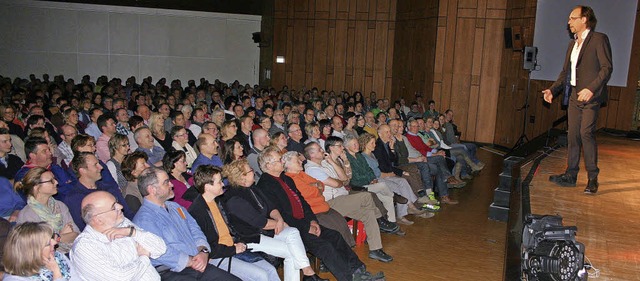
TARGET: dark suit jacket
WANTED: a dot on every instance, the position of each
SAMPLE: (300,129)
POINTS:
(272,190)
(199,210)
(14,163)
(386,159)
(593,69)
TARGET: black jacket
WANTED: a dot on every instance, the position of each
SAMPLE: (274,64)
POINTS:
(248,212)
(274,193)
(386,159)
(199,210)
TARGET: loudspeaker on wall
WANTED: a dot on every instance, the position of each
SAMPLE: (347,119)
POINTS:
(513,38)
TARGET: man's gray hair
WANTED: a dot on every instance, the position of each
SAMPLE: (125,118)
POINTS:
(87,213)
(136,134)
(348,138)
(288,156)
(149,176)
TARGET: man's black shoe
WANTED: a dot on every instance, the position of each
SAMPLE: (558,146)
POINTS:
(386,226)
(565,180)
(592,187)
(314,277)
(380,255)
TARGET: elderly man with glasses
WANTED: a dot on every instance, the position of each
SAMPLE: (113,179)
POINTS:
(111,247)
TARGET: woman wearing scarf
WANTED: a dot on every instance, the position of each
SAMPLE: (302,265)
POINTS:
(40,185)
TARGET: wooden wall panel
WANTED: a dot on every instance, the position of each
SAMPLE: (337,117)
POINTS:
(414,53)
(337,45)
(617,114)
(468,64)
(451,51)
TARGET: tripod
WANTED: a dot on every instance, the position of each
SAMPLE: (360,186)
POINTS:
(523,139)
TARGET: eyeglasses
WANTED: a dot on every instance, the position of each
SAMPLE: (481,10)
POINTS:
(248,172)
(51,181)
(114,207)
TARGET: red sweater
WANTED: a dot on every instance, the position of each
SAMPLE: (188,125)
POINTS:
(418,144)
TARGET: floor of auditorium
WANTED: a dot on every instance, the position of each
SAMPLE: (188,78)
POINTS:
(460,243)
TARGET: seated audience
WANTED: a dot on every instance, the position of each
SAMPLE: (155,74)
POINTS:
(9,163)
(295,138)
(365,172)
(156,125)
(132,165)
(175,164)
(261,140)
(180,138)
(279,141)
(25,257)
(260,225)
(111,247)
(16,141)
(208,147)
(92,128)
(187,255)
(107,125)
(358,206)
(39,155)
(146,144)
(64,147)
(88,171)
(10,202)
(177,119)
(225,253)
(313,132)
(118,150)
(233,150)
(324,243)
(40,185)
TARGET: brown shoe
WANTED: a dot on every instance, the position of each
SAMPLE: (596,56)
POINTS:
(447,200)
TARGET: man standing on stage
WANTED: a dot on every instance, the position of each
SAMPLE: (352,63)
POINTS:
(587,67)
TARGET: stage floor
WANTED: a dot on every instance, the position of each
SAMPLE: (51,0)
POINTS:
(459,243)
(609,222)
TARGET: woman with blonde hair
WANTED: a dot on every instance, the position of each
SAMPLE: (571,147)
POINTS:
(40,185)
(156,125)
(29,254)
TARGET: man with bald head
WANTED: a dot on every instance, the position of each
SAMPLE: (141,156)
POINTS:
(208,147)
(111,247)
(260,139)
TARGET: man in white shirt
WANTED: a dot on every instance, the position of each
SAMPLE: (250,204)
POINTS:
(111,247)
